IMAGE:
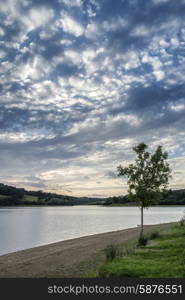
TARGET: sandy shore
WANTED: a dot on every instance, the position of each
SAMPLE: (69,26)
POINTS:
(63,259)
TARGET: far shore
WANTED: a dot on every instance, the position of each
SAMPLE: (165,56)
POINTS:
(100,205)
(65,259)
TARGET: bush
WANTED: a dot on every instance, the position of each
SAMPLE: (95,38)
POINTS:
(154,234)
(142,241)
(112,251)
(182,221)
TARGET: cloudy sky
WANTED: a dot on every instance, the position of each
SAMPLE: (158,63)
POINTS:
(81,83)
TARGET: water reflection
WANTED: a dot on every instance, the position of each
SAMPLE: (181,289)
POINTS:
(27,227)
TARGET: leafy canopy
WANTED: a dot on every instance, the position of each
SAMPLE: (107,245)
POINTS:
(148,177)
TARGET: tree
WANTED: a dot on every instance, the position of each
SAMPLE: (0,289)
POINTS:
(147,177)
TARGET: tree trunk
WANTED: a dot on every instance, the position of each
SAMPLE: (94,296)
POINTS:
(141,232)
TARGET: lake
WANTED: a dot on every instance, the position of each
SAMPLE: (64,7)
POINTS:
(27,227)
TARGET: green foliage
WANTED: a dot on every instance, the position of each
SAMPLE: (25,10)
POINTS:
(167,197)
(142,241)
(14,196)
(175,197)
(154,234)
(182,221)
(148,176)
(163,258)
(112,251)
(116,200)
(29,198)
(10,195)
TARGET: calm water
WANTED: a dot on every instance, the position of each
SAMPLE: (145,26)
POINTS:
(27,227)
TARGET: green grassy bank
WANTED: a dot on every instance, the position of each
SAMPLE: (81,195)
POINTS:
(162,257)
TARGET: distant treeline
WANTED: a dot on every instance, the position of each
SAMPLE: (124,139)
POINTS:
(169,197)
(10,196)
(15,196)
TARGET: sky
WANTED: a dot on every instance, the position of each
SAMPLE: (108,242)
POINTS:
(84,81)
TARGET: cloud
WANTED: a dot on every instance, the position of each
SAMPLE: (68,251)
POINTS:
(81,83)
(37,17)
(2,54)
(70,25)
(160,75)
(72,3)
(1,31)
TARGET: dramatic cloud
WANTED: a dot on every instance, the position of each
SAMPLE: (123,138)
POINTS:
(81,83)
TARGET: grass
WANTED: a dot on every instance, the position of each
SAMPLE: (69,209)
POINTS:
(112,251)
(154,234)
(163,257)
(29,198)
(4,196)
(91,267)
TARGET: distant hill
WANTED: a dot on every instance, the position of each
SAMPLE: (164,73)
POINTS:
(10,196)
(169,197)
(15,196)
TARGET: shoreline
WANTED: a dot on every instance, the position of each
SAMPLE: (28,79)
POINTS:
(64,258)
(76,205)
